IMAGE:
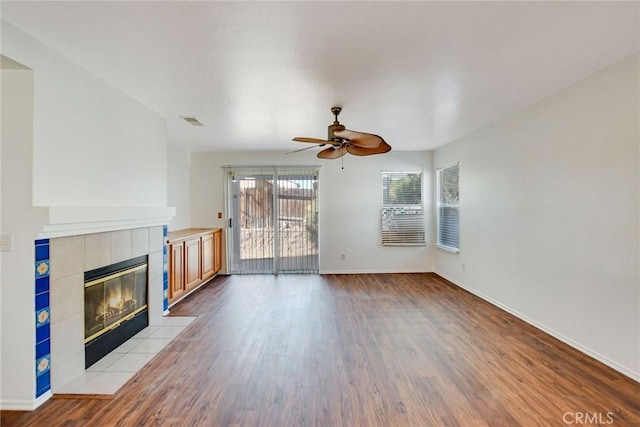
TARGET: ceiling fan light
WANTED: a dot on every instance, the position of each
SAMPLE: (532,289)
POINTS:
(344,141)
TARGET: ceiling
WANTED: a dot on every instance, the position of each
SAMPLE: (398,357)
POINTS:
(420,74)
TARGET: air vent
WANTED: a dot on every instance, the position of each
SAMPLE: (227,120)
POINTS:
(192,121)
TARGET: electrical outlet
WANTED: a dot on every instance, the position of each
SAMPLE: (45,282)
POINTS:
(343,257)
(6,243)
(219,215)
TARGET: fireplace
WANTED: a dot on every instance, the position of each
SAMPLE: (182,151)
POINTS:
(115,306)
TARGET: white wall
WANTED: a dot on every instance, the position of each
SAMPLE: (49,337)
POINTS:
(349,202)
(178,165)
(549,214)
(93,145)
(19,221)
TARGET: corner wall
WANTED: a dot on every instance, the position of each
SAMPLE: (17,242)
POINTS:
(92,144)
(549,215)
(19,221)
(69,139)
(178,167)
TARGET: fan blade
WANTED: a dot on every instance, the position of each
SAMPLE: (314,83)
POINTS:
(305,148)
(333,153)
(311,140)
(361,151)
(360,139)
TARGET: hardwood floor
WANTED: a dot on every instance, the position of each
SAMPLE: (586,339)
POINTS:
(354,350)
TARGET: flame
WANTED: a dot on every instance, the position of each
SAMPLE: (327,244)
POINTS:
(128,294)
(114,298)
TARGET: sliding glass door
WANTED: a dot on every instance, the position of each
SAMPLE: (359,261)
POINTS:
(273,219)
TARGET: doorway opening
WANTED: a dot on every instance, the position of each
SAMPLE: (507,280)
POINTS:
(273,219)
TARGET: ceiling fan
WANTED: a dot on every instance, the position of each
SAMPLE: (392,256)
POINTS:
(343,141)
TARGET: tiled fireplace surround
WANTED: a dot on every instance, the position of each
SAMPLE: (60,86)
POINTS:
(69,258)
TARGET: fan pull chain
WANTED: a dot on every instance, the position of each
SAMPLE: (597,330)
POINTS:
(342,162)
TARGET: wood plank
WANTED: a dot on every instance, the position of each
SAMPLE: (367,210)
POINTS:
(353,350)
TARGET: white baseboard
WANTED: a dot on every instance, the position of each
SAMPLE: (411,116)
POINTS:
(16,405)
(24,405)
(586,350)
(39,401)
(373,271)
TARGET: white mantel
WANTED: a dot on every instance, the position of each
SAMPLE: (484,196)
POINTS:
(76,220)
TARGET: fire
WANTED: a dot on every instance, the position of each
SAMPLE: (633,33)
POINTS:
(118,301)
(114,298)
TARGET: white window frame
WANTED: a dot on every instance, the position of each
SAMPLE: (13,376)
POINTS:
(440,205)
(403,224)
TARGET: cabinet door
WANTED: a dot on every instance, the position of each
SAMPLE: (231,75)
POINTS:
(207,256)
(176,270)
(217,250)
(192,262)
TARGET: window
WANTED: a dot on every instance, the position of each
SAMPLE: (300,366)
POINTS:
(403,216)
(448,208)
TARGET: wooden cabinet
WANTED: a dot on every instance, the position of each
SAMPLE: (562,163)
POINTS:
(192,262)
(217,253)
(195,256)
(208,256)
(176,271)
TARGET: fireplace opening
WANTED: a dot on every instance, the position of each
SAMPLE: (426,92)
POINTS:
(115,306)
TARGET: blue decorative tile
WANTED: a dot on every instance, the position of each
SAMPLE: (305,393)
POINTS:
(42,268)
(42,285)
(42,300)
(43,384)
(42,252)
(165,269)
(43,348)
(43,333)
(42,317)
(43,364)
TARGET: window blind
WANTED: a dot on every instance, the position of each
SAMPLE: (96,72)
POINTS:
(448,208)
(403,215)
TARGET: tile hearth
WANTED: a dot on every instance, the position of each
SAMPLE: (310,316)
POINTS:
(110,373)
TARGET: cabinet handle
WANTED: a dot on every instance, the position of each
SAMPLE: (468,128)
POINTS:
(230,222)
